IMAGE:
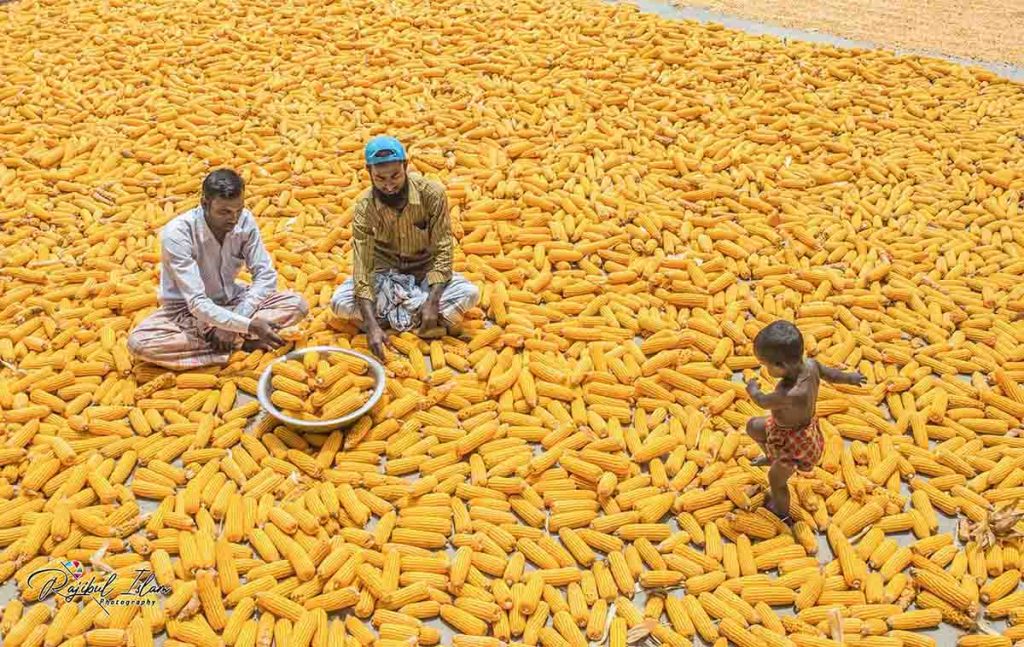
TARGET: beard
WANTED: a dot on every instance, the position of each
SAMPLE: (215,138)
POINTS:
(396,199)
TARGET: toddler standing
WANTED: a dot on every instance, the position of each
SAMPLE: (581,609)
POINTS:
(789,437)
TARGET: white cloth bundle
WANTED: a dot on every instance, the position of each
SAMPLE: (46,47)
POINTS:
(399,300)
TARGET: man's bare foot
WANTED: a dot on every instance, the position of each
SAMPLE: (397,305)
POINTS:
(436,332)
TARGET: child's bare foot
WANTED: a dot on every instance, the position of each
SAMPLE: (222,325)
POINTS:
(782,514)
(778,500)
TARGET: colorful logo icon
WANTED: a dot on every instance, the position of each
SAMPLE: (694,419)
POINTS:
(75,568)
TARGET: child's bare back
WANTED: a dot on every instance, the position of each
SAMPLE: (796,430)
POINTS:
(793,401)
(789,437)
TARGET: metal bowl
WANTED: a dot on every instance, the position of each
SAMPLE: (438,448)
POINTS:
(264,390)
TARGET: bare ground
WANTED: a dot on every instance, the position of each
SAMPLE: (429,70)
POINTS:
(977,29)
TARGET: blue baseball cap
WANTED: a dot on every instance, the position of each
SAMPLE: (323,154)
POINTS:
(383,149)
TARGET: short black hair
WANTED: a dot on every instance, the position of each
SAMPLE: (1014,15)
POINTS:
(223,183)
(780,342)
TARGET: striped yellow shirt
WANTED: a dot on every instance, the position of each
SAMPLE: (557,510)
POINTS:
(417,241)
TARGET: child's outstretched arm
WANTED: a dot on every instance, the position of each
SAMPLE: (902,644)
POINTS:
(835,376)
(762,399)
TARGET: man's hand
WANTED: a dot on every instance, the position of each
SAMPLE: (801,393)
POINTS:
(378,340)
(265,332)
(857,379)
(429,313)
(428,318)
(223,341)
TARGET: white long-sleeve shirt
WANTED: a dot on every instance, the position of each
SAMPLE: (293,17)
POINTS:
(199,271)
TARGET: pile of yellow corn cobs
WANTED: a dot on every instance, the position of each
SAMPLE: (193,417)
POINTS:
(636,198)
(320,388)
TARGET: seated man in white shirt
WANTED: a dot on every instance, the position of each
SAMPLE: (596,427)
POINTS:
(205,315)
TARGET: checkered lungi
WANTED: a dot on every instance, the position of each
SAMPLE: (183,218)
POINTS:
(459,296)
(801,447)
(173,338)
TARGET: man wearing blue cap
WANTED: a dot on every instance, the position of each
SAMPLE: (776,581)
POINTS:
(401,254)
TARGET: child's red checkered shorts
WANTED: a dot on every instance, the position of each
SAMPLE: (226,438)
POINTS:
(801,447)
